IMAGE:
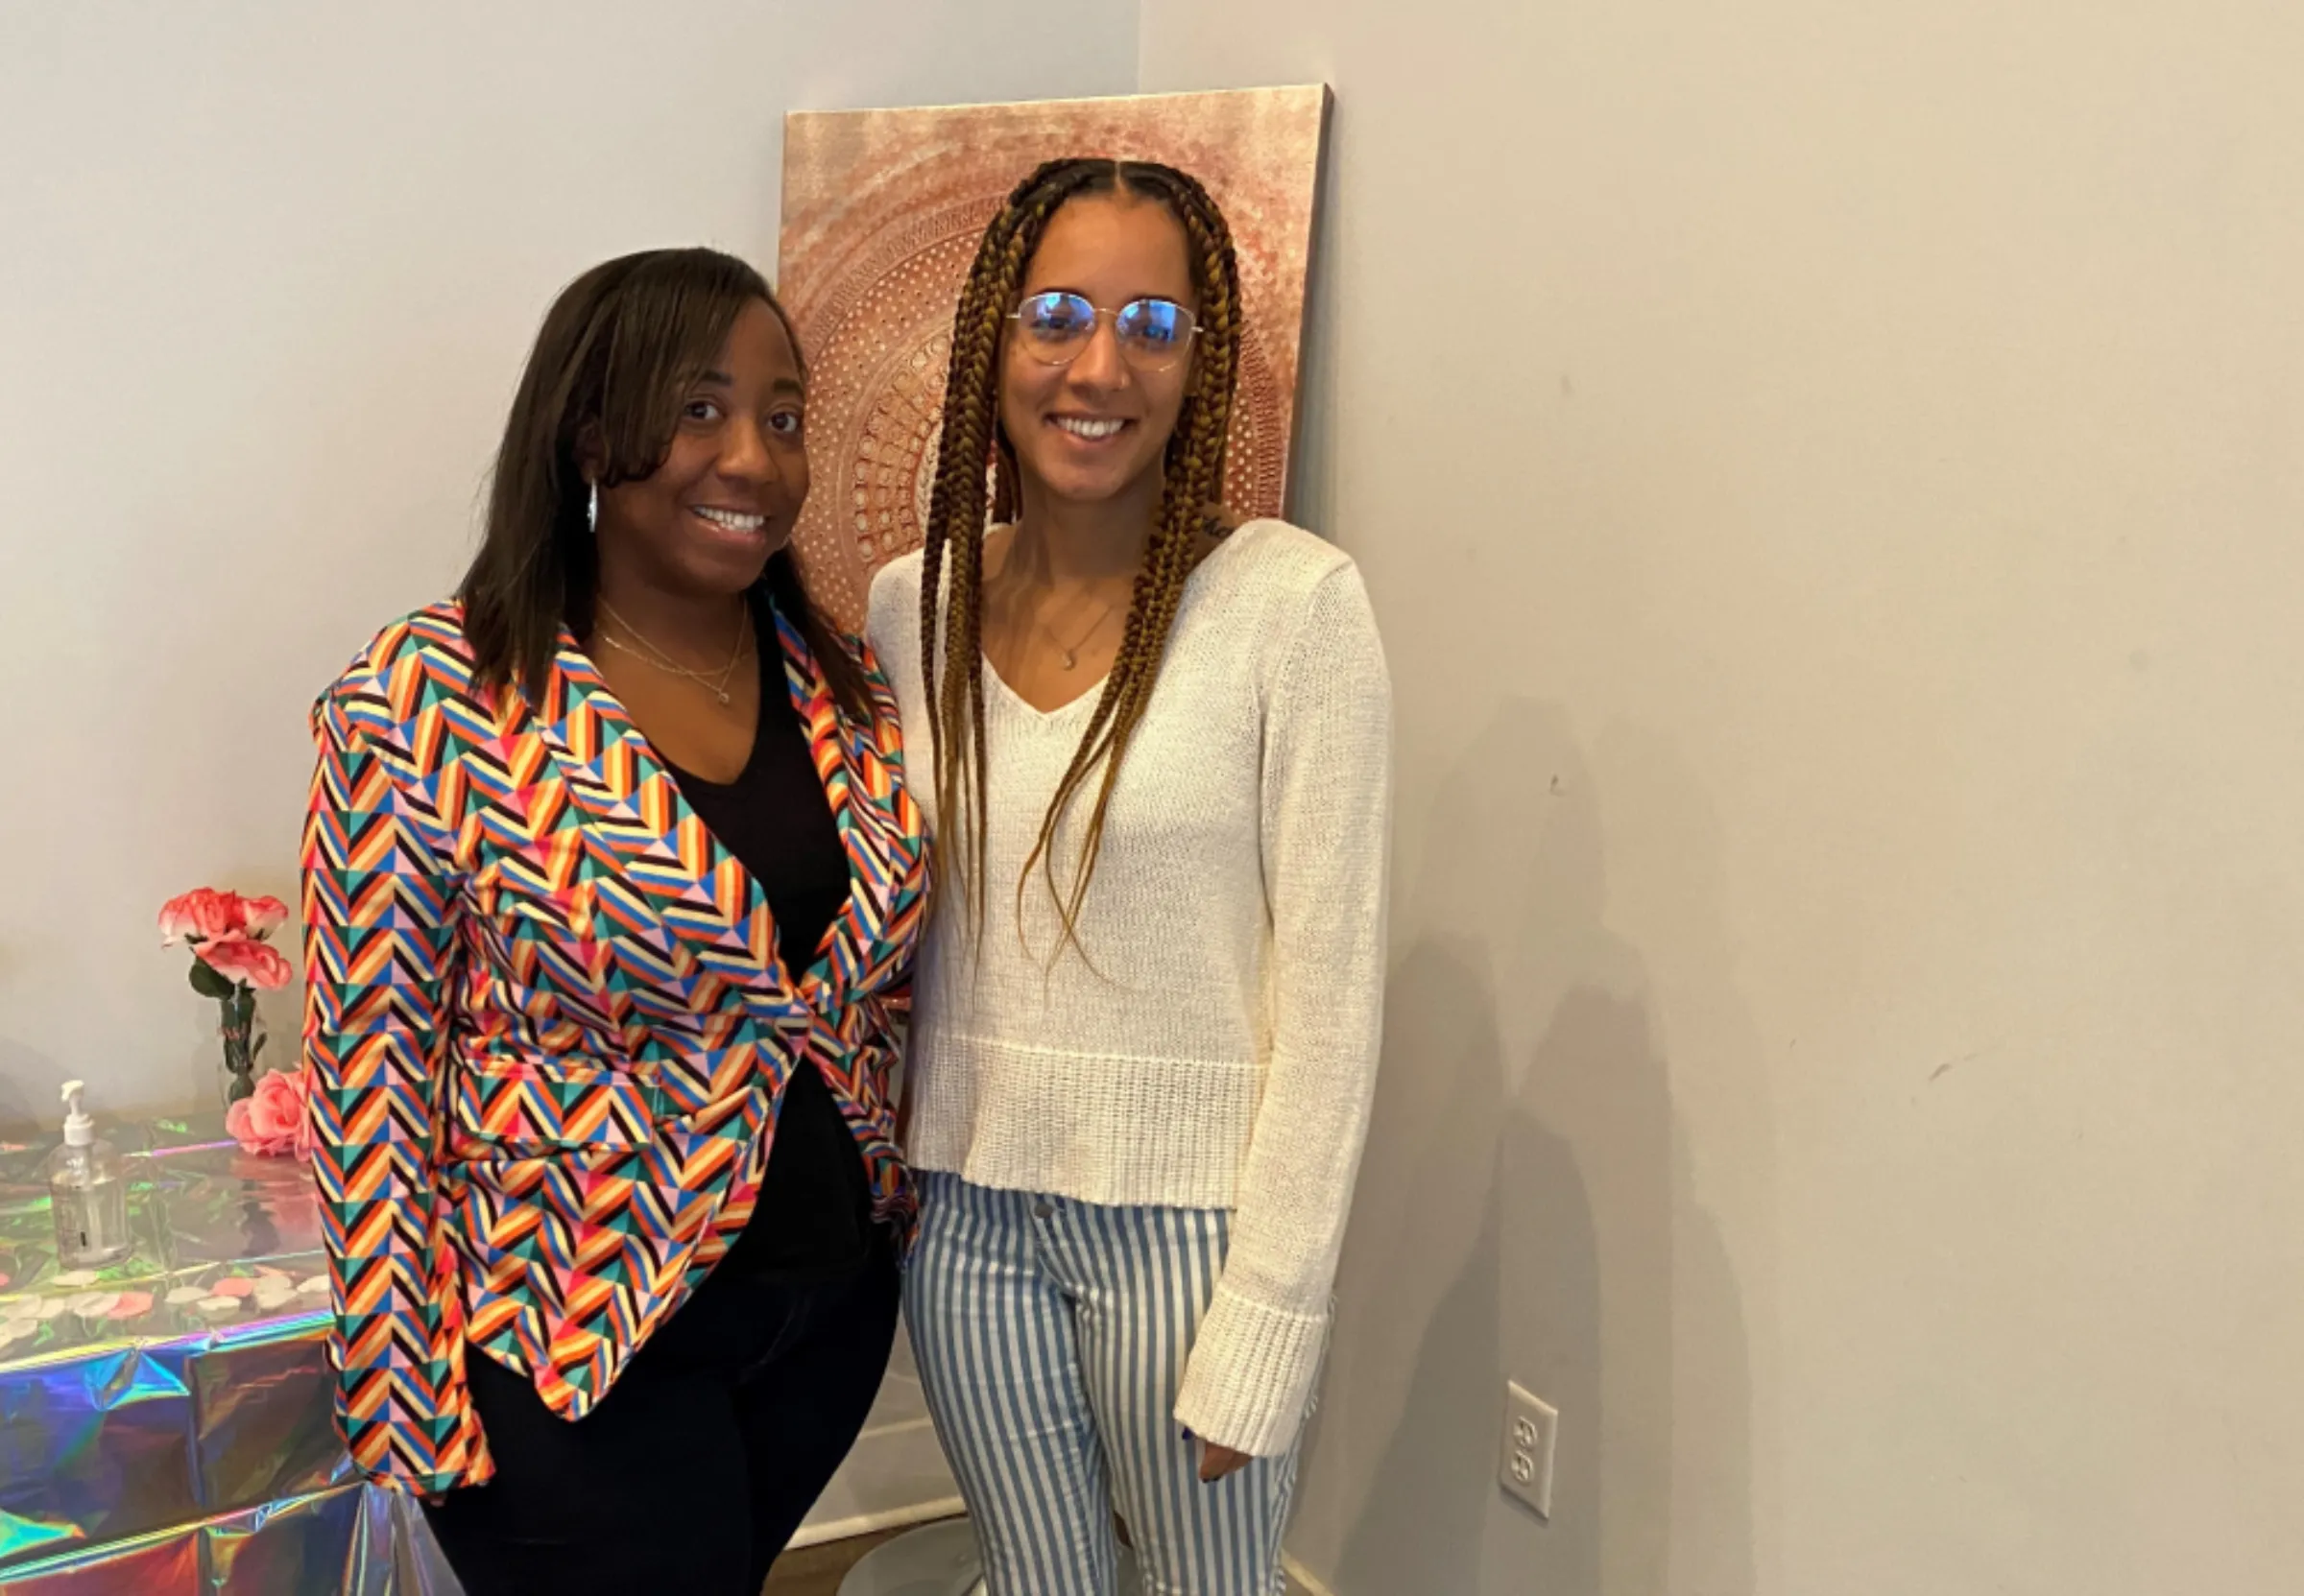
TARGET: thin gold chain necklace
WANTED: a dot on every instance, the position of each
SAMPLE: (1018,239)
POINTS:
(718,686)
(1071,655)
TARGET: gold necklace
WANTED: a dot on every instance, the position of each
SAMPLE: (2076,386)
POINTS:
(1071,655)
(663,661)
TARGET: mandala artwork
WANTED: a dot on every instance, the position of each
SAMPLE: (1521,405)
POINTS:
(881,214)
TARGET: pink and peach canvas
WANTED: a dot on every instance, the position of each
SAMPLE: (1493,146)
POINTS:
(882,210)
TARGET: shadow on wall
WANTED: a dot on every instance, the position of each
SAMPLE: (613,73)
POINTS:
(29,1108)
(28,1077)
(25,1091)
(1525,1211)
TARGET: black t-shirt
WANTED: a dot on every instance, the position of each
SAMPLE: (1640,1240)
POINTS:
(814,1214)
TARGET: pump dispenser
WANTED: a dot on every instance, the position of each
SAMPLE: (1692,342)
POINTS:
(86,1192)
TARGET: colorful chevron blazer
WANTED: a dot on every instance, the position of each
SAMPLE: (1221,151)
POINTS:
(547,1028)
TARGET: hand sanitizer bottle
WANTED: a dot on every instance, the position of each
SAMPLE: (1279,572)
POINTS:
(87,1192)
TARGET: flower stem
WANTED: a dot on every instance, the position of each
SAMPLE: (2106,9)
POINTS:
(236,1029)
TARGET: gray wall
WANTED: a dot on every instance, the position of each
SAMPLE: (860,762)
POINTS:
(270,271)
(1830,477)
(1829,480)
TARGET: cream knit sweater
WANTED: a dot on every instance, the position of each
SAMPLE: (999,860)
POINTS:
(1222,1052)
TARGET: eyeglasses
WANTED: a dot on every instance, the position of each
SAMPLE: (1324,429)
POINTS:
(1055,328)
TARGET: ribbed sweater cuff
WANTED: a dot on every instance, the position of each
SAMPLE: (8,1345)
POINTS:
(1248,1384)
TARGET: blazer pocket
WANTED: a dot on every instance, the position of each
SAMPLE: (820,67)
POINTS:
(547,1105)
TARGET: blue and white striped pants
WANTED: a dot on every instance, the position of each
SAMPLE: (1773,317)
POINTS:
(1051,1338)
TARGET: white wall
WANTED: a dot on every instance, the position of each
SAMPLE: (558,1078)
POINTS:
(1830,476)
(1831,479)
(267,274)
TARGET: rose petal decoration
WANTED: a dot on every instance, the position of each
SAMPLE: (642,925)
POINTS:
(236,958)
(274,1120)
(200,914)
(260,917)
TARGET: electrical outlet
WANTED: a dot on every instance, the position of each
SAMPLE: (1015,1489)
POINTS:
(1530,1427)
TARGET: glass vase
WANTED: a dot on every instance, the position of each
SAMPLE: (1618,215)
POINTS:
(240,1031)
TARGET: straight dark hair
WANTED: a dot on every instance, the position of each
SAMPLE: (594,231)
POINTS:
(612,364)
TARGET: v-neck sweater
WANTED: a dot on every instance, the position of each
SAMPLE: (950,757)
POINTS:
(1213,1041)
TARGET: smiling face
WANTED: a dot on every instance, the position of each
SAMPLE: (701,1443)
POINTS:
(1096,429)
(706,521)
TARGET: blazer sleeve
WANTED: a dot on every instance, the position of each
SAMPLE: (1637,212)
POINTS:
(379,909)
(890,1005)
(1325,830)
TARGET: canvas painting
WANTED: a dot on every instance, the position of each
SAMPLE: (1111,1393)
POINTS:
(881,213)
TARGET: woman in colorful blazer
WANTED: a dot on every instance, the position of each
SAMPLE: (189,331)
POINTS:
(611,890)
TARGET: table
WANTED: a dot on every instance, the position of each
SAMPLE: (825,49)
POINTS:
(165,1422)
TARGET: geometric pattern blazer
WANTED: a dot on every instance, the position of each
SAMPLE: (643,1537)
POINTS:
(547,1028)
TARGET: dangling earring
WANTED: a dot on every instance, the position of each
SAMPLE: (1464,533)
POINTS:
(591,511)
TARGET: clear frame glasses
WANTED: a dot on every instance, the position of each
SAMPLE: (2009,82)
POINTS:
(1055,328)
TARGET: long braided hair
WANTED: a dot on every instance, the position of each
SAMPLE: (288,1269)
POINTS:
(952,654)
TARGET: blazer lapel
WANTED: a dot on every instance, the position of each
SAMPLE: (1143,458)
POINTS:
(662,879)
(861,787)
(657,866)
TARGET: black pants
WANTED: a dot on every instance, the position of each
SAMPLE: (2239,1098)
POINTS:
(694,1470)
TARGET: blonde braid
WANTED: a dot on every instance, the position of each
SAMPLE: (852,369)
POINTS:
(1194,477)
(956,526)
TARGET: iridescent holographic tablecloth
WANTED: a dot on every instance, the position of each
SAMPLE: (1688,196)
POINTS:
(164,1423)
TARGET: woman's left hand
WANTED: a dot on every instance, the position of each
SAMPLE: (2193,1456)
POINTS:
(1216,1462)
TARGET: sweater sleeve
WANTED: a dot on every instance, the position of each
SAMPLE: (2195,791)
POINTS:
(1325,828)
(379,957)
(892,617)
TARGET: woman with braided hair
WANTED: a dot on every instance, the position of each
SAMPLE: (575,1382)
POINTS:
(1145,1022)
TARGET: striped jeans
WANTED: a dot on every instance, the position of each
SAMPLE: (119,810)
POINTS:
(1051,1338)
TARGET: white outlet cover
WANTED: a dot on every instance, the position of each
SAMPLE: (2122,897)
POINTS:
(1532,1427)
